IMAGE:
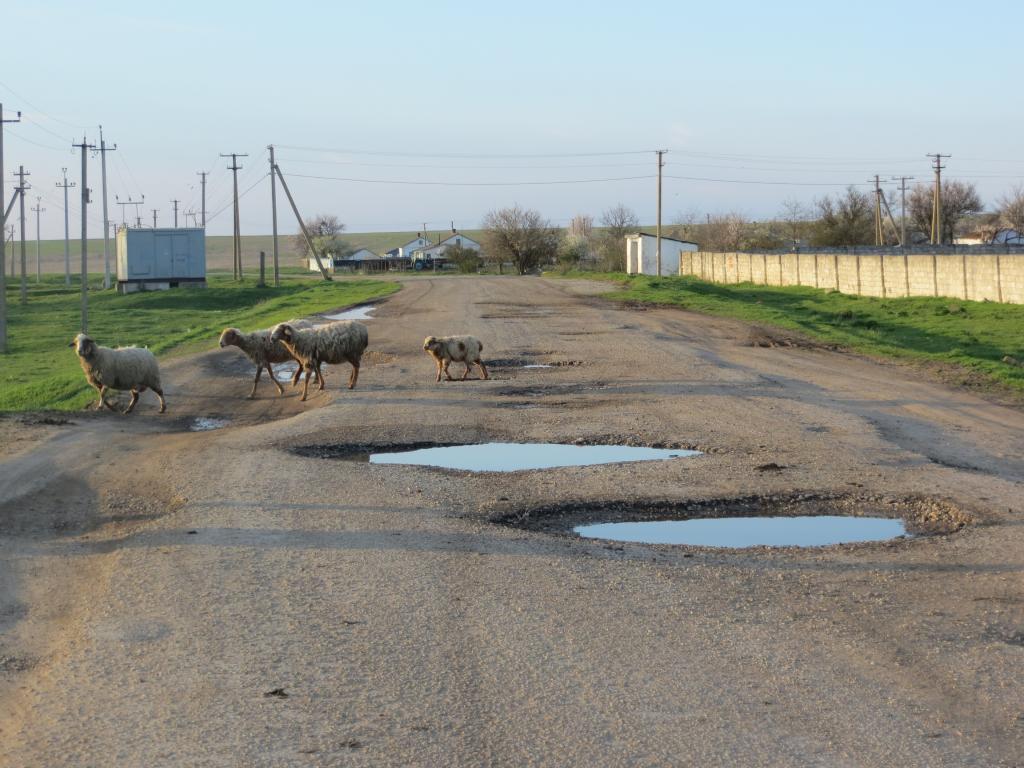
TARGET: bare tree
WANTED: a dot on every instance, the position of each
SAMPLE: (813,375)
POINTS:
(959,199)
(325,229)
(846,220)
(795,216)
(618,221)
(581,227)
(521,236)
(1011,209)
(724,232)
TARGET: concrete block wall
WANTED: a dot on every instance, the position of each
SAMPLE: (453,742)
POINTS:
(972,276)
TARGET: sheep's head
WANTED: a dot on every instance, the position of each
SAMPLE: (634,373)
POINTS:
(431,344)
(84,346)
(283,332)
(230,337)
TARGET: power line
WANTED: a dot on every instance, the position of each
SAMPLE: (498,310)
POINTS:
(76,126)
(382,153)
(776,183)
(467,183)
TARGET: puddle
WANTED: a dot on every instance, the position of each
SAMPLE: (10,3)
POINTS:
(205,424)
(513,457)
(539,365)
(356,313)
(740,532)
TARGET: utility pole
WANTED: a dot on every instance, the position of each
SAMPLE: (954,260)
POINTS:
(67,246)
(21,215)
(3,240)
(203,175)
(936,238)
(903,207)
(273,213)
(38,210)
(302,224)
(657,251)
(129,201)
(106,245)
(235,168)
(175,203)
(154,217)
(879,234)
(86,148)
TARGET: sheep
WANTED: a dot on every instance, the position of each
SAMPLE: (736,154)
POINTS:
(343,341)
(131,368)
(258,347)
(459,349)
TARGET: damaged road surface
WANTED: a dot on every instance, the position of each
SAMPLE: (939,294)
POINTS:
(227,597)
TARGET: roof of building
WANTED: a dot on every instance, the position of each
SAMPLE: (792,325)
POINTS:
(673,239)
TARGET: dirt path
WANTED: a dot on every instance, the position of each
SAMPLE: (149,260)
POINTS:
(156,584)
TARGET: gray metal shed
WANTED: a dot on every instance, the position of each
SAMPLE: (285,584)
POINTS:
(158,259)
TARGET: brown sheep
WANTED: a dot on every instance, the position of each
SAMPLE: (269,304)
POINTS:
(459,349)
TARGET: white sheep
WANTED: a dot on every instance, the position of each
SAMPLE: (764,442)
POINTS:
(259,348)
(343,341)
(125,368)
(460,349)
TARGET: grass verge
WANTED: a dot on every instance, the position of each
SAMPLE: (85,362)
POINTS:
(39,372)
(965,341)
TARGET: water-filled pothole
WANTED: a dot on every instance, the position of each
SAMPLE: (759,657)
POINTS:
(742,532)
(495,457)
(206,423)
(356,313)
(800,517)
(515,457)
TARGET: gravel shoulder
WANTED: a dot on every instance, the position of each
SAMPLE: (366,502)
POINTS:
(221,598)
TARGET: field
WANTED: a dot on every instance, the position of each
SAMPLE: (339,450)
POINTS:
(39,372)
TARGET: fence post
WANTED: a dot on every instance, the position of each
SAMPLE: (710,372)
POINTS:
(964,266)
(881,268)
(263,259)
(835,264)
(935,274)
(999,279)
(906,271)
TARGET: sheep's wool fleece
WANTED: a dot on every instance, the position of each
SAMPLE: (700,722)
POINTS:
(124,368)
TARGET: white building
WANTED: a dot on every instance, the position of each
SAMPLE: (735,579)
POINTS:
(405,251)
(361,258)
(642,251)
(436,252)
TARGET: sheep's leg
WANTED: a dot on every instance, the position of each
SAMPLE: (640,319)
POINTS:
(305,386)
(134,400)
(160,394)
(259,370)
(298,372)
(103,399)
(447,375)
(320,377)
(466,363)
(483,368)
(270,373)
(438,370)
(354,377)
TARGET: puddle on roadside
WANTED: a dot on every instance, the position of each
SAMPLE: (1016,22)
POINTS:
(742,532)
(539,365)
(205,424)
(514,457)
(356,313)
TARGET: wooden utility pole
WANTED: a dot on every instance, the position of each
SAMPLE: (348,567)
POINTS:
(302,224)
(202,175)
(85,147)
(38,210)
(67,244)
(3,238)
(21,217)
(879,234)
(235,168)
(936,238)
(273,212)
(903,207)
(657,250)
(106,243)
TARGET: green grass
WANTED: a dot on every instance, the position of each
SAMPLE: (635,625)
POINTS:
(39,372)
(970,335)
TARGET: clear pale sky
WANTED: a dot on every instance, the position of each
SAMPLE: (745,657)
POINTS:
(815,95)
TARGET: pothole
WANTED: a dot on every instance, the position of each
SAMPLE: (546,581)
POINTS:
(499,457)
(800,519)
(206,423)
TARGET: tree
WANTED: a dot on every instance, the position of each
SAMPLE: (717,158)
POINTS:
(795,216)
(1011,209)
(325,230)
(521,236)
(467,260)
(618,221)
(724,232)
(959,199)
(571,251)
(849,219)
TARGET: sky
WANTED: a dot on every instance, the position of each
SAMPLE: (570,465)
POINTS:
(392,114)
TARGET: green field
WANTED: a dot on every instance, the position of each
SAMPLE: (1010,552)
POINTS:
(965,341)
(39,372)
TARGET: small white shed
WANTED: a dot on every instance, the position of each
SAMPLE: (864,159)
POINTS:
(642,253)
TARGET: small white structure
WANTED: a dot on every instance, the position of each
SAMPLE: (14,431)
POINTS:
(436,253)
(357,260)
(642,251)
(160,259)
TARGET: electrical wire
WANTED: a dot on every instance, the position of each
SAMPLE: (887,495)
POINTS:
(17,95)
(457,154)
(466,183)
(210,218)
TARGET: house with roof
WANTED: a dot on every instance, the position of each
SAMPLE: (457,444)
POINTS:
(364,258)
(435,254)
(642,254)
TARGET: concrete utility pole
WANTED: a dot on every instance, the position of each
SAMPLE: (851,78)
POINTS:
(106,245)
(879,235)
(67,246)
(936,238)
(302,224)
(38,210)
(22,187)
(203,175)
(657,250)
(175,204)
(903,207)
(129,201)
(3,240)
(86,148)
(235,168)
(273,212)
(154,217)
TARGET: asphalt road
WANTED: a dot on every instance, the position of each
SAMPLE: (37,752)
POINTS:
(218,598)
